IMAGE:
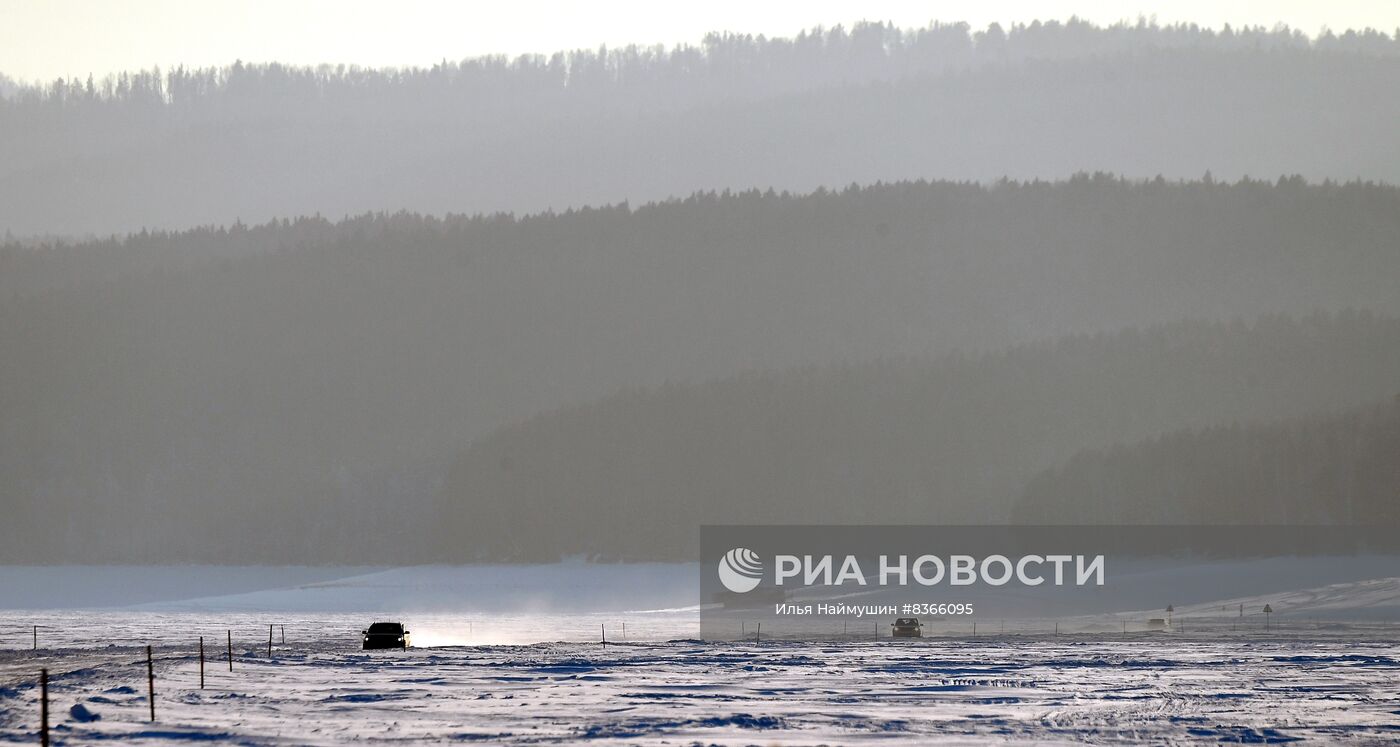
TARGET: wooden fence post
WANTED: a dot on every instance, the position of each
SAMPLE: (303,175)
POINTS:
(44,707)
(150,682)
(201,662)
(269,641)
(230,650)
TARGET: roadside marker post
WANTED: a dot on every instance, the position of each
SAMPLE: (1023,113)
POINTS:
(201,662)
(230,650)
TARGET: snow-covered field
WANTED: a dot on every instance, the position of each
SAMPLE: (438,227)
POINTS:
(1125,689)
(519,661)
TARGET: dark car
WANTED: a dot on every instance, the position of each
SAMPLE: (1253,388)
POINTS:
(907,627)
(385,635)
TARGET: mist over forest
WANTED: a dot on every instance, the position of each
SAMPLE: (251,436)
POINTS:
(181,148)
(413,388)
(1321,469)
(951,441)
(581,303)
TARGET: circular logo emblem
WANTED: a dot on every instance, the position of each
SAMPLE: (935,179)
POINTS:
(740,570)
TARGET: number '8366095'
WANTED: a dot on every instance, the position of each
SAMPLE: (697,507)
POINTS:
(942,609)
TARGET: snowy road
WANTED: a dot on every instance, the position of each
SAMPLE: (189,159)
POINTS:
(1070,688)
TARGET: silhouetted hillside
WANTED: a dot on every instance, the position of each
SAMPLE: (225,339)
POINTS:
(315,378)
(192,147)
(1311,470)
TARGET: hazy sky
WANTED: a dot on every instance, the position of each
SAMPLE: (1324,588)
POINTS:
(43,39)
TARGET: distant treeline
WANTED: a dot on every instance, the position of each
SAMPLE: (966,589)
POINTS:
(188,147)
(723,64)
(1342,468)
(296,391)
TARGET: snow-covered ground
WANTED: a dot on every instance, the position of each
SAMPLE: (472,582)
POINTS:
(1034,689)
(512,655)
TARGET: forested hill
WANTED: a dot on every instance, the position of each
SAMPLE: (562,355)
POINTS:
(183,147)
(949,442)
(1342,468)
(312,376)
